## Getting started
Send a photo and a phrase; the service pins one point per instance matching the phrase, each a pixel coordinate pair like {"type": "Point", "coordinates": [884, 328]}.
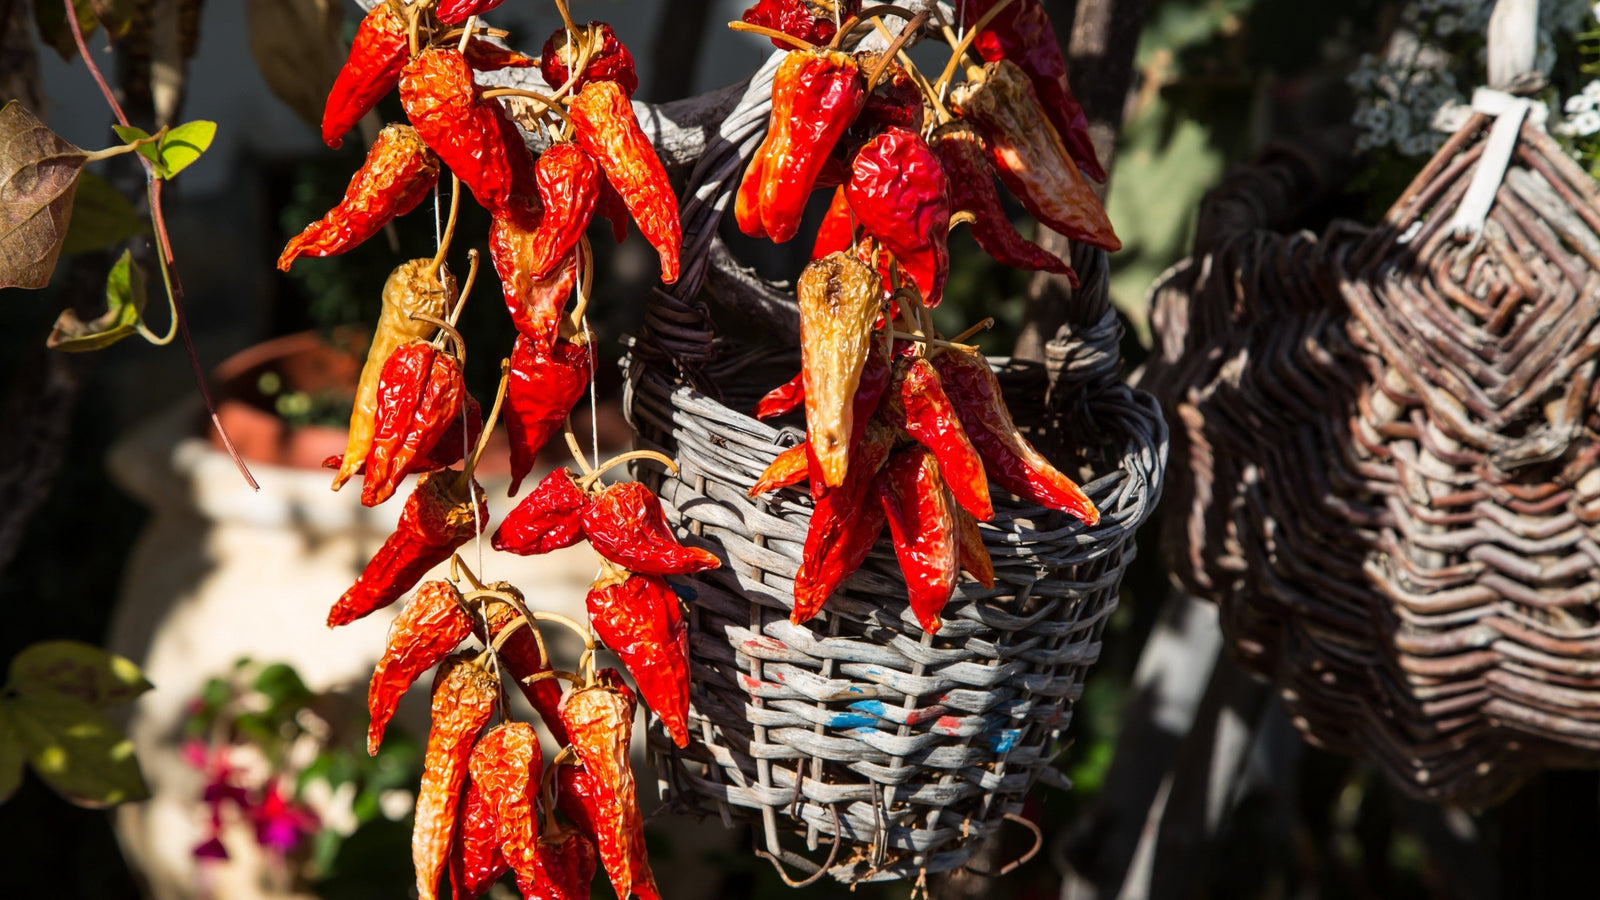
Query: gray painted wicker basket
{"type": "Point", "coordinates": [892, 752]}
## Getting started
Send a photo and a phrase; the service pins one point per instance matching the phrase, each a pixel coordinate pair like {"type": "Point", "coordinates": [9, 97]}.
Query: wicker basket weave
{"type": "Point", "coordinates": [1388, 440]}
{"type": "Point", "coordinates": [891, 752]}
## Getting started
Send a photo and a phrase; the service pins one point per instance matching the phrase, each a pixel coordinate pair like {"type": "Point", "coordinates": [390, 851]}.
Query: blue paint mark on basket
{"type": "Point", "coordinates": [870, 707]}
{"type": "Point", "coordinates": [846, 720]}
{"type": "Point", "coordinates": [1005, 739]}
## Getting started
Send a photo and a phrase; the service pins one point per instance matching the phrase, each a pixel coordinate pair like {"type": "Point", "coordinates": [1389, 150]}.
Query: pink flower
{"type": "Point", "coordinates": [211, 849]}
{"type": "Point", "coordinates": [281, 824]}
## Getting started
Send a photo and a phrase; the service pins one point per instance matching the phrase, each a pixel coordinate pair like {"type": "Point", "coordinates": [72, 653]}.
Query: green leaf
{"type": "Point", "coordinates": [76, 669]}
{"type": "Point", "coordinates": [150, 148]}
{"type": "Point", "coordinates": [51, 17]}
{"type": "Point", "coordinates": [282, 686]}
{"type": "Point", "coordinates": [101, 217]}
{"type": "Point", "coordinates": [76, 750]}
{"type": "Point", "coordinates": [184, 144]}
{"type": "Point", "coordinates": [125, 299]}
{"type": "Point", "coordinates": [12, 753]}
{"type": "Point", "coordinates": [38, 178]}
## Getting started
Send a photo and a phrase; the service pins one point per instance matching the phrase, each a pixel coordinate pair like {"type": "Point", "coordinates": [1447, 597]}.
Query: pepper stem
{"type": "Point", "coordinates": [584, 283]}
{"type": "Point", "coordinates": [446, 330]}
{"type": "Point", "coordinates": [458, 567]}
{"type": "Point", "coordinates": [472, 278]}
{"type": "Point", "coordinates": [449, 228]}
{"type": "Point", "coordinates": [916, 75]}
{"type": "Point", "coordinates": [984, 325]}
{"type": "Point", "coordinates": [966, 42]}
{"type": "Point", "coordinates": [488, 426]}
{"type": "Point", "coordinates": [466, 33]}
{"type": "Point", "coordinates": [912, 27]}
{"type": "Point", "coordinates": [544, 615]}
{"type": "Point", "coordinates": [566, 17]}
{"type": "Point", "coordinates": [576, 450]}
{"type": "Point", "coordinates": [589, 479]}
{"type": "Point", "coordinates": [549, 103]}
{"type": "Point", "coordinates": [871, 13]}
{"type": "Point", "coordinates": [933, 341]}
{"type": "Point", "coordinates": [775, 34]}
{"type": "Point", "coordinates": [484, 30]}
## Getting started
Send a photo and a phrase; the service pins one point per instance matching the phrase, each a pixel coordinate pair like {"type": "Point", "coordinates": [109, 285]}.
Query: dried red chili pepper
{"type": "Point", "coordinates": [638, 617]}
{"type": "Point", "coordinates": [837, 234]}
{"type": "Point", "coordinates": [790, 468]}
{"type": "Point", "coordinates": [845, 523]}
{"type": "Point", "coordinates": [900, 195]}
{"type": "Point", "coordinates": [549, 518]}
{"type": "Point", "coordinates": [399, 172]}
{"type": "Point", "coordinates": [535, 303]}
{"type": "Point", "coordinates": [895, 102]}
{"type": "Point", "coordinates": [419, 396]}
{"type": "Point", "coordinates": [437, 520]}
{"type": "Point", "coordinates": [454, 12]}
{"type": "Point", "coordinates": [1022, 33]}
{"type": "Point", "coordinates": [795, 18]}
{"type": "Point", "coordinates": [1007, 456]}
{"type": "Point", "coordinates": [476, 862]}
{"type": "Point", "coordinates": [569, 184]}
{"type": "Point", "coordinates": [599, 721]}
{"type": "Point", "coordinates": [974, 554]}
{"type": "Point", "coordinates": [521, 657]}
{"type": "Point", "coordinates": [487, 56]}
{"type": "Point", "coordinates": [413, 289]}
{"type": "Point", "coordinates": [815, 97]}
{"type": "Point", "coordinates": [605, 127]}
{"type": "Point", "coordinates": [542, 390]}
{"type": "Point", "coordinates": [379, 52]}
{"type": "Point", "coordinates": [609, 206]}
{"type": "Point", "coordinates": [609, 59]}
{"type": "Point", "coordinates": [626, 525]}
{"type": "Point", "coordinates": [927, 415]}
{"type": "Point", "coordinates": [785, 398]}
{"type": "Point", "coordinates": [839, 298]}
{"type": "Point", "coordinates": [565, 864]}
{"type": "Point", "coordinates": [471, 135]}
{"type": "Point", "coordinates": [924, 530]}
{"type": "Point", "coordinates": [431, 626]}
{"type": "Point", "coordinates": [505, 767]}
{"type": "Point", "coordinates": [451, 448]}
{"type": "Point", "coordinates": [972, 189]}
{"type": "Point", "coordinates": [1029, 157]}
{"type": "Point", "coordinates": [464, 697]}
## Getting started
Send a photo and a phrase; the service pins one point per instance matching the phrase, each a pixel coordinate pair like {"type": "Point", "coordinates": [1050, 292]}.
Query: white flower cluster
{"type": "Point", "coordinates": [1583, 112]}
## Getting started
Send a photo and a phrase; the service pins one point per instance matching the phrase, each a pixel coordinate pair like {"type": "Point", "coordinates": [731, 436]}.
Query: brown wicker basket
{"type": "Point", "coordinates": [1387, 445]}
{"type": "Point", "coordinates": [891, 752]}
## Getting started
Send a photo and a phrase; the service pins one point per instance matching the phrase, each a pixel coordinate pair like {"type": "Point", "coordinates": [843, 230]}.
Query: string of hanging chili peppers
{"type": "Point", "coordinates": [487, 805]}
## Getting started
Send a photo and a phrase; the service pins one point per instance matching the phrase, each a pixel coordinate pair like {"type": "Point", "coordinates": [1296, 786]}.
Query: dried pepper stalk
{"type": "Point", "coordinates": [549, 518]}
{"type": "Point", "coordinates": [437, 520]}
{"type": "Point", "coordinates": [486, 56]}
{"type": "Point", "coordinates": [1022, 33]}
{"type": "Point", "coordinates": [815, 97]}
{"type": "Point", "coordinates": [431, 626]}
{"type": "Point", "coordinates": [470, 135]}
{"type": "Point", "coordinates": [638, 617]}
{"type": "Point", "coordinates": [837, 234]}
{"type": "Point", "coordinates": [840, 298]}
{"type": "Point", "coordinates": [626, 525]}
{"type": "Point", "coordinates": [1007, 456]}
{"type": "Point", "coordinates": [400, 171]}
{"type": "Point", "coordinates": [413, 289]}
{"type": "Point", "coordinates": [974, 554]}
{"type": "Point", "coordinates": [476, 862]}
{"type": "Point", "coordinates": [450, 449]}
{"type": "Point", "coordinates": [521, 658]}
{"type": "Point", "coordinates": [569, 184]}
{"type": "Point", "coordinates": [540, 395]}
{"type": "Point", "coordinates": [923, 526]}
{"type": "Point", "coordinates": [607, 129]}
{"type": "Point", "coordinates": [790, 468]}
{"type": "Point", "coordinates": [379, 52]}
{"type": "Point", "coordinates": [505, 767]}
{"type": "Point", "coordinates": [565, 866]}
{"type": "Point", "coordinates": [419, 396]}
{"type": "Point", "coordinates": [609, 59]}
{"type": "Point", "coordinates": [795, 18]}
{"type": "Point", "coordinates": [785, 398]}
{"type": "Point", "coordinates": [972, 189]}
{"type": "Point", "coordinates": [453, 12]}
{"type": "Point", "coordinates": [599, 722]}
{"type": "Point", "coordinates": [900, 195]}
{"type": "Point", "coordinates": [931, 421]}
{"type": "Point", "coordinates": [1028, 154]}
{"type": "Point", "coordinates": [535, 303]}
{"type": "Point", "coordinates": [464, 697]}
{"type": "Point", "coordinates": [845, 523]}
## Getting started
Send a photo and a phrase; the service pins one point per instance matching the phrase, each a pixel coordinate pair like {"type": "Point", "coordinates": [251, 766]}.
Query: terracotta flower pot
{"type": "Point", "coordinates": [308, 363]}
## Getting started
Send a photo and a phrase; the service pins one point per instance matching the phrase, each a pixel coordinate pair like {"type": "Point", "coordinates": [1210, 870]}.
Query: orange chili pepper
{"type": "Point", "coordinates": [974, 553]}
{"type": "Point", "coordinates": [605, 126]}
{"type": "Point", "coordinates": [399, 173]}
{"type": "Point", "coordinates": [464, 697]}
{"type": "Point", "coordinates": [431, 626]}
{"type": "Point", "coordinates": [839, 300]}
{"type": "Point", "coordinates": [599, 721]}
{"type": "Point", "coordinates": [471, 136]}
{"type": "Point", "coordinates": [379, 52]}
{"type": "Point", "coordinates": [639, 618]}
{"type": "Point", "coordinates": [790, 468]}
{"type": "Point", "coordinates": [505, 767]}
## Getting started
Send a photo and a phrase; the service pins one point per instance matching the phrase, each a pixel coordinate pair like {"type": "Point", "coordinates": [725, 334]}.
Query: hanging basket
{"type": "Point", "coordinates": [1388, 471]}
{"type": "Point", "coordinates": [885, 751]}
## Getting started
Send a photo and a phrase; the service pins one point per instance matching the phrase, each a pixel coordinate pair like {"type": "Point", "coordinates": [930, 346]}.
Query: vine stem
{"type": "Point", "coordinates": [164, 248]}
{"type": "Point", "coordinates": [773, 33]}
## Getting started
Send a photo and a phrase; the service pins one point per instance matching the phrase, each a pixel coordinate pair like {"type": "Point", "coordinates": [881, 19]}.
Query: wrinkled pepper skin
{"type": "Point", "coordinates": [476, 862]}
{"type": "Point", "coordinates": [790, 468]}
{"type": "Point", "coordinates": [609, 59]}
{"type": "Point", "coordinates": [410, 291]}
{"type": "Point", "coordinates": [606, 128]}
{"type": "Point", "coordinates": [974, 554]}
{"type": "Point", "coordinates": [1008, 458]}
{"type": "Point", "coordinates": [430, 628]}
{"type": "Point", "coordinates": [845, 523]}
{"type": "Point", "coordinates": [520, 658]}
{"type": "Point", "coordinates": [1022, 33]}
{"type": "Point", "coordinates": [638, 617]}
{"type": "Point", "coordinates": [506, 765]}
{"type": "Point", "coordinates": [899, 194]}
{"type": "Point", "coordinates": [437, 520]}
{"type": "Point", "coordinates": [783, 399]}
{"type": "Point", "coordinates": [599, 722]}
{"type": "Point", "coordinates": [972, 189]}
{"type": "Point", "coordinates": [454, 12]}
{"type": "Point", "coordinates": [549, 518]}
{"type": "Point", "coordinates": [419, 396]}
{"type": "Point", "coordinates": [372, 70]}
{"type": "Point", "coordinates": [837, 233]}
{"type": "Point", "coordinates": [626, 525]}
{"type": "Point", "coordinates": [794, 18]}
{"type": "Point", "coordinates": [451, 448]}
{"type": "Point", "coordinates": [839, 300]}
{"type": "Point", "coordinates": [535, 303]}
{"type": "Point", "coordinates": [464, 697]}
{"type": "Point", "coordinates": [1029, 157]}
{"type": "Point", "coordinates": [931, 421]}
{"type": "Point", "coordinates": [815, 97]}
{"type": "Point", "coordinates": [870, 392]}
{"type": "Point", "coordinates": [542, 390]}
{"type": "Point", "coordinates": [922, 523]}
{"type": "Point", "coordinates": [399, 173]}
{"type": "Point", "coordinates": [566, 863]}
{"type": "Point", "coordinates": [470, 135]}
{"type": "Point", "coordinates": [486, 56]}
{"type": "Point", "coordinates": [569, 185]}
